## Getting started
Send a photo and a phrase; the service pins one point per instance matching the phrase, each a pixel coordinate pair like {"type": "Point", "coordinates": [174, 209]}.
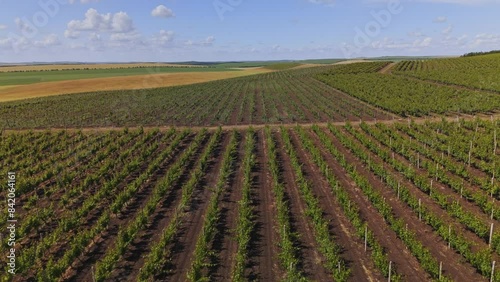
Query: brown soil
{"type": "Point", "coordinates": [224, 243]}
{"type": "Point", "coordinates": [82, 269]}
{"type": "Point", "coordinates": [387, 69]}
{"type": "Point", "coordinates": [263, 248]}
{"type": "Point", "coordinates": [353, 249]}
{"type": "Point", "coordinates": [453, 265]}
{"type": "Point", "coordinates": [310, 260]}
{"type": "Point", "coordinates": [181, 250]}
{"type": "Point", "coordinates": [405, 263]}
{"type": "Point", "coordinates": [242, 127]}
{"type": "Point", "coordinates": [430, 204]}
{"type": "Point", "coordinates": [132, 261]}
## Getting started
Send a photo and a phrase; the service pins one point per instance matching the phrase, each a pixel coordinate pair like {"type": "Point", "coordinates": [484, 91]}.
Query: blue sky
{"type": "Point", "coordinates": [225, 30]}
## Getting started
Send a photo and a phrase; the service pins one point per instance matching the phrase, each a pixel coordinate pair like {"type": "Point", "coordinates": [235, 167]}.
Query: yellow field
{"type": "Point", "coordinates": [89, 66]}
{"type": "Point", "coordinates": [43, 89]}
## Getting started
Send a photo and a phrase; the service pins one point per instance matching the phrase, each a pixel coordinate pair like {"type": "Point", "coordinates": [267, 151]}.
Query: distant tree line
{"type": "Point", "coordinates": [480, 53]}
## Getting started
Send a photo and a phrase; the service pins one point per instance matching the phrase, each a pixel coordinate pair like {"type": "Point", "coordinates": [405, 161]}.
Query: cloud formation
{"type": "Point", "coordinates": [94, 22]}
{"type": "Point", "coordinates": [162, 12]}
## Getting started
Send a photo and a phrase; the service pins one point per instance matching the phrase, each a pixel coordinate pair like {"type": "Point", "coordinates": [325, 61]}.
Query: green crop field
{"type": "Point", "coordinates": [405, 96]}
{"type": "Point", "coordinates": [21, 78]}
{"type": "Point", "coordinates": [477, 72]}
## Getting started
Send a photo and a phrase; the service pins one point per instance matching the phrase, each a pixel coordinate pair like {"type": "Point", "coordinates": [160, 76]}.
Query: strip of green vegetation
{"type": "Point", "coordinates": [282, 66]}
{"type": "Point", "coordinates": [21, 78]}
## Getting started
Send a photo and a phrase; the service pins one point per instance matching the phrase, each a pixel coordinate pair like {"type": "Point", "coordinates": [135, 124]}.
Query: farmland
{"type": "Point", "coordinates": [277, 97]}
{"type": "Point", "coordinates": [350, 172]}
{"type": "Point", "coordinates": [477, 72]}
{"type": "Point", "coordinates": [293, 203]}
{"type": "Point", "coordinates": [405, 96]}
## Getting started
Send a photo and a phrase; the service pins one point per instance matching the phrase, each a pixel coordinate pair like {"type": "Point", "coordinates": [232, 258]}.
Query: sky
{"type": "Point", "coordinates": [242, 30]}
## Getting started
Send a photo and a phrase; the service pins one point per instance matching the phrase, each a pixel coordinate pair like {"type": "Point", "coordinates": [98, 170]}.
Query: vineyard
{"type": "Point", "coordinates": [411, 97]}
{"type": "Point", "coordinates": [478, 72]}
{"type": "Point", "coordinates": [402, 201]}
{"type": "Point", "coordinates": [297, 174]}
{"type": "Point", "coordinates": [278, 97]}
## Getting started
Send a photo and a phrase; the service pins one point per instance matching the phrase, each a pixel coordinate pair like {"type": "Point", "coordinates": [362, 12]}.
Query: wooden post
{"type": "Point", "coordinates": [390, 270]}
{"type": "Point", "coordinates": [495, 142]}
{"type": "Point", "coordinates": [399, 186]}
{"type": "Point", "coordinates": [492, 271]}
{"type": "Point", "coordinates": [419, 209]}
{"type": "Point", "coordinates": [440, 269]}
{"type": "Point", "coordinates": [366, 237]}
{"type": "Point", "coordinates": [470, 151]}
{"type": "Point", "coordinates": [491, 235]}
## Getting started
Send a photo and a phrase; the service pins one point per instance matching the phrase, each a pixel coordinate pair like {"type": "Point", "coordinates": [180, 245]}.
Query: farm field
{"type": "Point", "coordinates": [415, 201]}
{"type": "Point", "coordinates": [30, 77]}
{"type": "Point", "coordinates": [405, 96]}
{"type": "Point", "coordinates": [324, 173]}
{"type": "Point", "coordinates": [96, 66]}
{"type": "Point", "coordinates": [146, 80]}
{"type": "Point", "coordinates": [476, 72]}
{"type": "Point", "coordinates": [288, 96]}
{"type": "Point", "coordinates": [331, 93]}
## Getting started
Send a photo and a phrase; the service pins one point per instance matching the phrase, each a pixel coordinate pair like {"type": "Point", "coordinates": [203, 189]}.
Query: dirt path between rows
{"type": "Point", "coordinates": [453, 264]}
{"type": "Point", "coordinates": [183, 247]}
{"type": "Point", "coordinates": [405, 263]}
{"type": "Point", "coordinates": [419, 120]}
{"type": "Point", "coordinates": [263, 246]}
{"type": "Point", "coordinates": [311, 261]}
{"type": "Point", "coordinates": [387, 69]}
{"type": "Point", "coordinates": [352, 248]}
{"type": "Point", "coordinates": [82, 269]}
{"type": "Point", "coordinates": [224, 244]}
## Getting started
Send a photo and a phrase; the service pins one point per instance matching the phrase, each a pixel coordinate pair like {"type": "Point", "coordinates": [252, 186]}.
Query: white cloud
{"type": "Point", "coordinates": [71, 34]}
{"type": "Point", "coordinates": [95, 37]}
{"type": "Point", "coordinates": [6, 42]}
{"type": "Point", "coordinates": [441, 19]}
{"type": "Point", "coordinates": [48, 41]}
{"type": "Point", "coordinates": [124, 37]}
{"type": "Point", "coordinates": [209, 41]}
{"type": "Point", "coordinates": [165, 38]}
{"type": "Point", "coordinates": [485, 40]}
{"type": "Point", "coordinates": [391, 44]}
{"type": "Point", "coordinates": [426, 42]}
{"type": "Point", "coordinates": [162, 12]}
{"type": "Point", "coordinates": [23, 26]}
{"type": "Point", "coordinates": [447, 30]}
{"type": "Point", "coordinates": [115, 23]}
{"type": "Point", "coordinates": [2, 27]}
